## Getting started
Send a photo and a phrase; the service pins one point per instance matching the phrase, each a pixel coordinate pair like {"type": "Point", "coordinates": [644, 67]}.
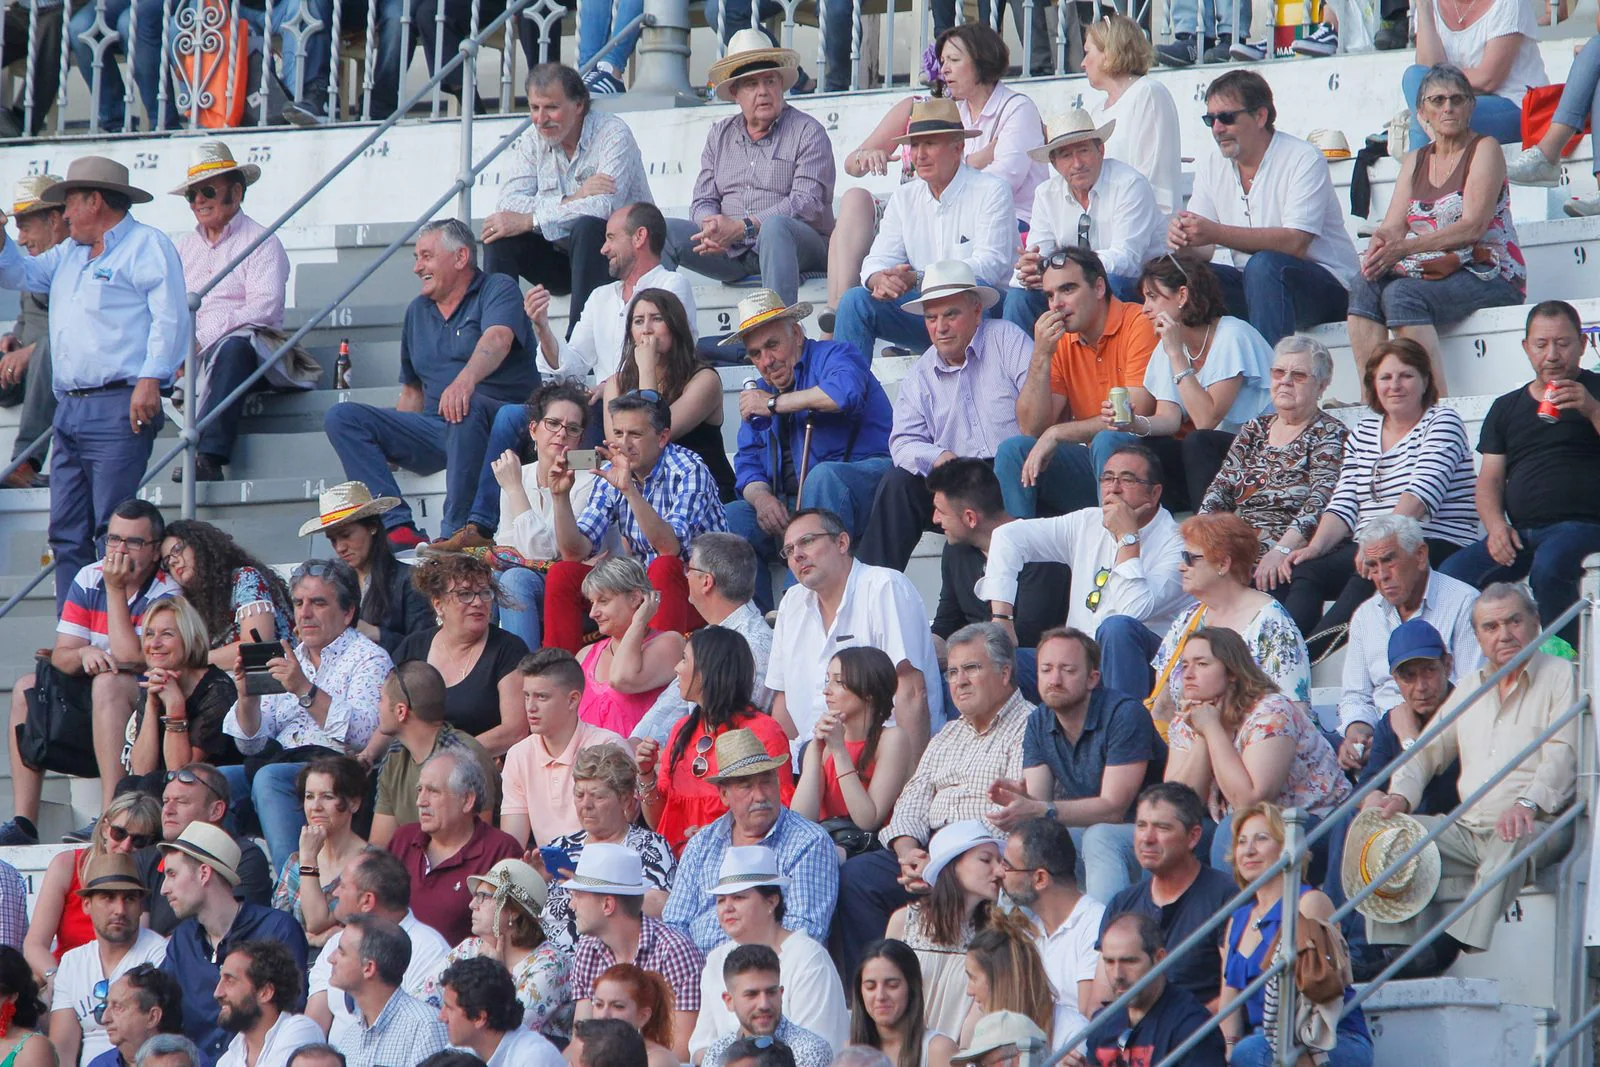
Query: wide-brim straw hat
{"type": "Point", "coordinates": [935, 117]}
{"type": "Point", "coordinates": [111, 873]}
{"type": "Point", "coordinates": [346, 502]}
{"type": "Point", "coordinates": [98, 174]}
{"type": "Point", "coordinates": [211, 158]}
{"type": "Point", "coordinates": [1071, 128]}
{"type": "Point", "coordinates": [27, 194]}
{"type": "Point", "coordinates": [210, 845]}
{"type": "Point", "coordinates": [1331, 143]}
{"type": "Point", "coordinates": [750, 52]}
{"type": "Point", "coordinates": [760, 308]}
{"type": "Point", "coordinates": [947, 278]}
{"type": "Point", "coordinates": [740, 754]}
{"type": "Point", "coordinates": [1374, 842]}
{"type": "Point", "coordinates": [748, 867]}
{"type": "Point", "coordinates": [999, 1029]}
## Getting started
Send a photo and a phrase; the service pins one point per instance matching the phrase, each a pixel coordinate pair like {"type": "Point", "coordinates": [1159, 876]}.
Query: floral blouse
{"type": "Point", "coordinates": [1314, 783]}
{"type": "Point", "coordinates": [558, 922]}
{"type": "Point", "coordinates": [286, 894]}
{"type": "Point", "coordinates": [252, 593]}
{"type": "Point", "coordinates": [1278, 489]}
{"type": "Point", "coordinates": [1274, 642]}
{"type": "Point", "coordinates": [544, 985]}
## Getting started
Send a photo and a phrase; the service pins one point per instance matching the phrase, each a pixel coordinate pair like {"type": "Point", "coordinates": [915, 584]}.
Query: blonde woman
{"type": "Point", "coordinates": [1116, 60]}
{"type": "Point", "coordinates": [177, 719]}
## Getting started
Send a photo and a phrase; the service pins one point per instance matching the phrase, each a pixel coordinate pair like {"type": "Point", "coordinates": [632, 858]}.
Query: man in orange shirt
{"type": "Point", "coordinates": [1087, 343]}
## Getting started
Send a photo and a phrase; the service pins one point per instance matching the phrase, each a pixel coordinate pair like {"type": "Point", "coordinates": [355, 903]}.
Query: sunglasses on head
{"type": "Point", "coordinates": [188, 777]}
{"type": "Point", "coordinates": [119, 834]}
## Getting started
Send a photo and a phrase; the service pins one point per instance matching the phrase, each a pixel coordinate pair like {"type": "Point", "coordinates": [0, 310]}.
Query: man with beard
{"type": "Point", "coordinates": [260, 981]}
{"type": "Point", "coordinates": [1158, 1019]}
{"type": "Point", "coordinates": [481, 1014]}
{"type": "Point", "coordinates": [113, 897]}
{"type": "Point", "coordinates": [755, 996]}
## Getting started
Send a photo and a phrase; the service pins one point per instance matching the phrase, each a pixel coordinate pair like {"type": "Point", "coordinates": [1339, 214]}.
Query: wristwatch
{"type": "Point", "coordinates": [1050, 811]}
{"type": "Point", "coordinates": [1406, 743]}
{"type": "Point", "coordinates": [1285, 549]}
{"type": "Point", "coordinates": [1128, 540]}
{"type": "Point", "coordinates": [1188, 372]}
{"type": "Point", "coordinates": [310, 697]}
{"type": "Point", "coordinates": [1530, 805]}
{"type": "Point", "coordinates": [749, 229]}
{"type": "Point", "coordinates": [772, 404]}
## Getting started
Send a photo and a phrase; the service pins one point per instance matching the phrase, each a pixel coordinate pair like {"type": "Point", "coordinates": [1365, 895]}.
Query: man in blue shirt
{"type": "Point", "coordinates": [466, 349]}
{"type": "Point", "coordinates": [120, 330]}
{"type": "Point", "coordinates": [814, 430]}
{"type": "Point", "coordinates": [1160, 1017]}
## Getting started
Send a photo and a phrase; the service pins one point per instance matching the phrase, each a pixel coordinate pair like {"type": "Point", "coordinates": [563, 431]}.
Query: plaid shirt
{"type": "Point", "coordinates": [661, 949]}
{"type": "Point", "coordinates": [13, 907]}
{"type": "Point", "coordinates": [406, 1031]}
{"type": "Point", "coordinates": [681, 490]}
{"type": "Point", "coordinates": [788, 173]}
{"type": "Point", "coordinates": [805, 853]}
{"type": "Point", "coordinates": [541, 174]}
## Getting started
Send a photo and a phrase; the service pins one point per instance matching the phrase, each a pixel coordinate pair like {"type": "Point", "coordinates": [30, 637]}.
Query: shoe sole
{"type": "Point", "coordinates": [1584, 211]}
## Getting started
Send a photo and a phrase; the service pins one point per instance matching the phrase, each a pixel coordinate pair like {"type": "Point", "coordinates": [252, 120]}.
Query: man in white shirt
{"type": "Point", "coordinates": [258, 985]}
{"type": "Point", "coordinates": [1264, 208]}
{"type": "Point", "coordinates": [840, 602]}
{"type": "Point", "coordinates": [1093, 202]}
{"type": "Point", "coordinates": [949, 211]}
{"type": "Point", "coordinates": [113, 896]}
{"type": "Point", "coordinates": [482, 1015]}
{"type": "Point", "coordinates": [376, 883]}
{"type": "Point", "coordinates": [1124, 558]}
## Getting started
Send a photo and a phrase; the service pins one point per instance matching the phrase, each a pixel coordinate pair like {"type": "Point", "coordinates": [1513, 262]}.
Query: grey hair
{"type": "Point", "coordinates": [167, 1045]}
{"type": "Point", "coordinates": [1406, 531]}
{"type": "Point", "coordinates": [466, 775]}
{"type": "Point", "coordinates": [731, 562]}
{"type": "Point", "coordinates": [1449, 76]}
{"type": "Point", "coordinates": [861, 1056]}
{"type": "Point", "coordinates": [454, 235]}
{"type": "Point", "coordinates": [1497, 591]}
{"type": "Point", "coordinates": [997, 644]}
{"type": "Point", "coordinates": [384, 944]}
{"type": "Point", "coordinates": [337, 573]}
{"type": "Point", "coordinates": [1313, 349]}
{"type": "Point", "coordinates": [617, 575]}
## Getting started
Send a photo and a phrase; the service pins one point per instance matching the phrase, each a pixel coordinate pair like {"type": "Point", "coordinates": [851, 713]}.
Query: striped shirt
{"type": "Point", "coordinates": [1432, 462]}
{"type": "Point", "coordinates": [967, 410]}
{"type": "Point", "coordinates": [84, 613]}
{"type": "Point", "coordinates": [788, 173]}
{"type": "Point", "coordinates": [681, 490]}
{"type": "Point", "coordinates": [542, 174]}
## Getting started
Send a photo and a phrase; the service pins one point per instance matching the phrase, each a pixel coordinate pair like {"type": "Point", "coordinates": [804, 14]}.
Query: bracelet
{"type": "Point", "coordinates": [1187, 372]}
{"type": "Point", "coordinates": [1134, 426]}
{"type": "Point", "coordinates": [175, 726]}
{"type": "Point", "coordinates": [309, 870]}
{"type": "Point", "coordinates": [848, 773]}
{"type": "Point", "coordinates": [1002, 616]}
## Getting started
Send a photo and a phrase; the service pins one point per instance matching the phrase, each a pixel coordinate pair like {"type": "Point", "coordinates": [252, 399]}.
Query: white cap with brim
{"type": "Point", "coordinates": [999, 1029]}
{"type": "Point", "coordinates": [954, 841]}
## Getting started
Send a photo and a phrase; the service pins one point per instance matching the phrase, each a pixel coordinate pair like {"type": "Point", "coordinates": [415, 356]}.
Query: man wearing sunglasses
{"type": "Point", "coordinates": [236, 327]}
{"type": "Point", "coordinates": [1264, 204]}
{"type": "Point", "coordinates": [113, 896]}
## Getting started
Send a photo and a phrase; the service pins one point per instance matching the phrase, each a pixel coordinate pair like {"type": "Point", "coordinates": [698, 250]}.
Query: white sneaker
{"type": "Point", "coordinates": [1582, 207]}
{"type": "Point", "coordinates": [1530, 167]}
{"type": "Point", "coordinates": [1250, 51]}
{"type": "Point", "coordinates": [1324, 41]}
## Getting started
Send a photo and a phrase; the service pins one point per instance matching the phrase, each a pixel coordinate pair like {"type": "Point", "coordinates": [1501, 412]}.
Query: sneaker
{"type": "Point", "coordinates": [1324, 41]}
{"type": "Point", "coordinates": [468, 537]}
{"type": "Point", "coordinates": [1392, 36]}
{"type": "Point", "coordinates": [18, 831]}
{"type": "Point", "coordinates": [602, 82]}
{"type": "Point", "coordinates": [304, 115]}
{"type": "Point", "coordinates": [1183, 52]}
{"type": "Point", "coordinates": [1222, 51]}
{"type": "Point", "coordinates": [1530, 167]}
{"type": "Point", "coordinates": [804, 85]}
{"type": "Point", "coordinates": [1250, 51]}
{"type": "Point", "coordinates": [81, 835]}
{"type": "Point", "coordinates": [405, 537]}
{"type": "Point", "coordinates": [1582, 207]}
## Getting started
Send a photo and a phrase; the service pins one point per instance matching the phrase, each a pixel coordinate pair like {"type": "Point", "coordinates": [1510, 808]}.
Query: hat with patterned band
{"type": "Point", "coordinates": [748, 867]}
{"type": "Point", "coordinates": [741, 754]}
{"type": "Point", "coordinates": [512, 881]}
{"type": "Point", "coordinates": [760, 308]}
{"type": "Point", "coordinates": [1374, 842]}
{"type": "Point", "coordinates": [27, 194]}
{"type": "Point", "coordinates": [934, 117]}
{"type": "Point", "coordinates": [211, 158]}
{"type": "Point", "coordinates": [346, 502]}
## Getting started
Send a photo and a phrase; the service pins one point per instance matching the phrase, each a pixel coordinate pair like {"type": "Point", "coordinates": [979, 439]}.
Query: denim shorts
{"type": "Point", "coordinates": [1397, 301]}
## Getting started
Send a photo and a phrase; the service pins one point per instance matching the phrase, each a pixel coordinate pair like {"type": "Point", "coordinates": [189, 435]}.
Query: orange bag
{"type": "Point", "coordinates": [1538, 111]}
{"type": "Point", "coordinates": [222, 99]}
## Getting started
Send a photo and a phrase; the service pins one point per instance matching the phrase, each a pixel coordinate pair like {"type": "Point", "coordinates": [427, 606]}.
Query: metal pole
{"type": "Point", "coordinates": [1294, 846]}
{"type": "Point", "coordinates": [469, 95]}
{"type": "Point", "coordinates": [661, 64]}
{"type": "Point", "coordinates": [191, 404]}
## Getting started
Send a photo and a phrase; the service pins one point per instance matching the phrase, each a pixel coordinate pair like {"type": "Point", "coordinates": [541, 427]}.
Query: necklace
{"type": "Point", "coordinates": [1205, 346]}
{"type": "Point", "coordinates": [1462, 11]}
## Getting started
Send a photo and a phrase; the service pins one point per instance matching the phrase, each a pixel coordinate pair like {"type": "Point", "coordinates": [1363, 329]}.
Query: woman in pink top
{"type": "Point", "coordinates": [631, 664]}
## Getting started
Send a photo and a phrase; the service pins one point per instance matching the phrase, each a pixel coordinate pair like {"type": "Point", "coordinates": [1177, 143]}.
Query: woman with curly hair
{"type": "Point", "coordinates": [239, 597]}
{"type": "Point", "coordinates": [483, 691]}
{"type": "Point", "coordinates": [658, 355]}
{"type": "Point", "coordinates": [22, 1044]}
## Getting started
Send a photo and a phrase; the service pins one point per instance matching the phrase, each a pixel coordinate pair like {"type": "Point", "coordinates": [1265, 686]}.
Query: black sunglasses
{"type": "Point", "coordinates": [120, 834]}
{"type": "Point", "coordinates": [1227, 118]}
{"type": "Point", "coordinates": [204, 192]}
{"type": "Point", "coordinates": [188, 777]}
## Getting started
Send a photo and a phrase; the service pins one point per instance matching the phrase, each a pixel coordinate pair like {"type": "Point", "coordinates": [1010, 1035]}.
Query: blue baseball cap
{"type": "Point", "coordinates": [1414, 639]}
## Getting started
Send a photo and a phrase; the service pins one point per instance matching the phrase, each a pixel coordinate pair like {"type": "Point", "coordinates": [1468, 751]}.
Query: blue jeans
{"type": "Point", "coordinates": [1493, 116]}
{"type": "Point", "coordinates": [1126, 648]}
{"type": "Point", "coordinates": [596, 24]}
{"type": "Point", "coordinates": [1210, 17]}
{"type": "Point", "coordinates": [1106, 861]}
{"type": "Point", "coordinates": [146, 57]}
{"type": "Point", "coordinates": [524, 617]}
{"type": "Point", "coordinates": [846, 489]}
{"type": "Point", "coordinates": [1066, 483]}
{"type": "Point", "coordinates": [838, 22]}
{"type": "Point", "coordinates": [278, 807]}
{"type": "Point", "coordinates": [1280, 293]}
{"type": "Point", "coordinates": [369, 438]}
{"type": "Point", "coordinates": [1024, 306]}
{"type": "Point", "coordinates": [1580, 98]}
{"type": "Point", "coordinates": [1352, 1049]}
{"type": "Point", "coordinates": [1551, 559]}
{"type": "Point", "coordinates": [508, 431]}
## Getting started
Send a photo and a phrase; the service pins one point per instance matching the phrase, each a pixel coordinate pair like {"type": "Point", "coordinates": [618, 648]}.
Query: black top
{"type": "Point", "coordinates": [255, 882]}
{"type": "Point", "coordinates": [1200, 970]}
{"type": "Point", "coordinates": [1552, 469]}
{"type": "Point", "coordinates": [1439, 797]}
{"type": "Point", "coordinates": [1041, 595]}
{"type": "Point", "coordinates": [705, 441]}
{"type": "Point", "coordinates": [409, 611]}
{"type": "Point", "coordinates": [213, 697]}
{"type": "Point", "coordinates": [472, 705]}
{"type": "Point", "coordinates": [1171, 1019]}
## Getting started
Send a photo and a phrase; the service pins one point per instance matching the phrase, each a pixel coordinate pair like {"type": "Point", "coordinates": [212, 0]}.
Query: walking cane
{"type": "Point", "coordinates": [805, 456]}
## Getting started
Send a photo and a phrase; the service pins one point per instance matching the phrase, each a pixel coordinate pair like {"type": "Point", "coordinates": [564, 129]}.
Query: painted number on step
{"type": "Point", "coordinates": [38, 166]}
{"type": "Point", "coordinates": [258, 154]}
{"type": "Point", "coordinates": [1333, 82]}
{"type": "Point", "coordinates": [341, 317]}
{"type": "Point", "coordinates": [1580, 255]}
{"type": "Point", "coordinates": [146, 160]}
{"type": "Point", "coordinates": [1200, 92]}
{"type": "Point", "coordinates": [381, 148]}
{"type": "Point", "coordinates": [724, 321]}
{"type": "Point", "coordinates": [1480, 348]}
{"type": "Point", "coordinates": [833, 121]}
{"type": "Point", "coordinates": [1565, 179]}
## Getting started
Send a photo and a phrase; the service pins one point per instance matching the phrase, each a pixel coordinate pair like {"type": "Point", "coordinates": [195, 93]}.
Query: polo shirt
{"type": "Point", "coordinates": [434, 349]}
{"type": "Point", "coordinates": [1199, 970]}
{"type": "Point", "coordinates": [1040, 605]}
{"type": "Point", "coordinates": [84, 613]}
{"type": "Point", "coordinates": [1117, 730]}
{"type": "Point", "coordinates": [196, 964]}
{"type": "Point", "coordinates": [539, 785]}
{"type": "Point", "coordinates": [1552, 473]}
{"type": "Point", "coordinates": [1069, 956]}
{"type": "Point", "coordinates": [1171, 1019]}
{"type": "Point", "coordinates": [440, 895]}
{"type": "Point", "coordinates": [1085, 374]}
{"type": "Point", "coordinates": [397, 778]}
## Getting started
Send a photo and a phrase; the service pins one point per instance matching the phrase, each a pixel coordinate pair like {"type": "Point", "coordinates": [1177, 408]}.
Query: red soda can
{"type": "Point", "coordinates": [1547, 407]}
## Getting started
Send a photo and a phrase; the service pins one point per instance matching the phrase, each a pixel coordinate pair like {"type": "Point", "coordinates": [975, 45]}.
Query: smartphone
{"type": "Point", "coordinates": [556, 860]}
{"type": "Point", "coordinates": [581, 459]}
{"type": "Point", "coordinates": [253, 657]}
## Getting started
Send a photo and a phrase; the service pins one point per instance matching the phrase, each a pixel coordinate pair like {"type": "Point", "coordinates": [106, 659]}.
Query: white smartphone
{"type": "Point", "coordinates": [581, 459]}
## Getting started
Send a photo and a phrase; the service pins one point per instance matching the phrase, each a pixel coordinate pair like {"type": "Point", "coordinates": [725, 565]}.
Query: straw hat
{"type": "Point", "coordinates": [747, 867]}
{"type": "Point", "coordinates": [211, 158]}
{"type": "Point", "coordinates": [947, 278]}
{"type": "Point", "coordinates": [999, 1029]}
{"type": "Point", "coordinates": [111, 873]}
{"type": "Point", "coordinates": [935, 117]}
{"type": "Point", "coordinates": [1074, 126]}
{"type": "Point", "coordinates": [346, 502]}
{"type": "Point", "coordinates": [612, 869]}
{"type": "Point", "coordinates": [1331, 143]}
{"type": "Point", "coordinates": [1375, 842]}
{"type": "Point", "coordinates": [750, 52]}
{"type": "Point", "coordinates": [761, 307]}
{"type": "Point", "coordinates": [27, 194]}
{"type": "Point", "coordinates": [95, 173]}
{"type": "Point", "coordinates": [210, 845]}
{"type": "Point", "coordinates": [740, 754]}
{"type": "Point", "coordinates": [514, 880]}
{"type": "Point", "coordinates": [950, 843]}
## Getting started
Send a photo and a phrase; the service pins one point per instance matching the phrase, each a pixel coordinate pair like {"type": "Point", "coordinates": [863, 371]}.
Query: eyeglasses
{"type": "Point", "coordinates": [954, 672]}
{"type": "Point", "coordinates": [1005, 865]}
{"type": "Point", "coordinates": [763, 1042]}
{"type": "Point", "coordinates": [472, 596]}
{"type": "Point", "coordinates": [405, 693]}
{"type": "Point", "coordinates": [1451, 99]}
{"type": "Point", "coordinates": [1125, 479]}
{"type": "Point", "coordinates": [102, 990]}
{"type": "Point", "coordinates": [701, 765]}
{"type": "Point", "coordinates": [803, 543]}
{"type": "Point", "coordinates": [1227, 118]}
{"type": "Point", "coordinates": [132, 544]}
{"type": "Point", "coordinates": [119, 834]}
{"type": "Point", "coordinates": [188, 777]}
{"type": "Point", "coordinates": [203, 192]}
{"type": "Point", "coordinates": [556, 428]}
{"type": "Point", "coordinates": [1084, 222]}
{"type": "Point", "coordinates": [1122, 1046]}
{"type": "Point", "coordinates": [1294, 377]}
{"type": "Point", "coordinates": [1191, 558]}
{"type": "Point", "coordinates": [1101, 577]}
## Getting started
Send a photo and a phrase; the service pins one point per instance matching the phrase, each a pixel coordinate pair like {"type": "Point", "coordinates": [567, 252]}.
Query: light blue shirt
{"type": "Point", "coordinates": [124, 314]}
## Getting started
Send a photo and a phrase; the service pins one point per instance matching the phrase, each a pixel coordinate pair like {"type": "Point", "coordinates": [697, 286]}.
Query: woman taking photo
{"type": "Point", "coordinates": [1005, 973]}
{"type": "Point", "coordinates": [1116, 60]}
{"type": "Point", "coordinates": [22, 1044]}
{"type": "Point", "coordinates": [238, 597]}
{"type": "Point", "coordinates": [1410, 457]}
{"type": "Point", "coordinates": [749, 902]}
{"type": "Point", "coordinates": [862, 764]}
{"type": "Point", "coordinates": [631, 664]}
{"type": "Point", "coordinates": [483, 691]}
{"type": "Point", "coordinates": [177, 717]}
{"type": "Point", "coordinates": [887, 1011]}
{"type": "Point", "coordinates": [643, 1000]}
{"type": "Point", "coordinates": [658, 355]}
{"type": "Point", "coordinates": [1237, 741]}
{"type": "Point", "coordinates": [332, 789]}
{"type": "Point", "coordinates": [391, 607]}
{"type": "Point", "coordinates": [715, 674]}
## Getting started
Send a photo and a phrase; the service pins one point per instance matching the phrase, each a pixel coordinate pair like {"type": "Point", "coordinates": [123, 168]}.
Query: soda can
{"type": "Point", "coordinates": [1547, 407]}
{"type": "Point", "coordinates": [1122, 408]}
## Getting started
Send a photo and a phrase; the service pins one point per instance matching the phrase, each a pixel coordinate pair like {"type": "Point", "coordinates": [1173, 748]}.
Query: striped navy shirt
{"type": "Point", "coordinates": [1432, 462]}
